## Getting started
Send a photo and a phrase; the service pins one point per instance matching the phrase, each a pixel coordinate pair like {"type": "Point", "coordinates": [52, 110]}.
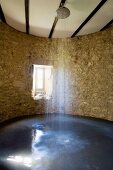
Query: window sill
{"type": "Point", "coordinates": [42, 97]}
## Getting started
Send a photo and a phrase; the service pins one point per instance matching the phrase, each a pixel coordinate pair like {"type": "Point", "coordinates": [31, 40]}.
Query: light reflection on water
{"type": "Point", "coordinates": [49, 144]}
{"type": "Point", "coordinates": [27, 161]}
{"type": "Point", "coordinates": [46, 146]}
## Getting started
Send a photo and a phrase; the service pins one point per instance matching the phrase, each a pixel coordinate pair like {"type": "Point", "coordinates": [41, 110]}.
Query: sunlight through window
{"type": "Point", "coordinates": [42, 81]}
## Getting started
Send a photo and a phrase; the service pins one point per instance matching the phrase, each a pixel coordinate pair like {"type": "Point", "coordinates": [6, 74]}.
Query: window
{"type": "Point", "coordinates": [42, 81]}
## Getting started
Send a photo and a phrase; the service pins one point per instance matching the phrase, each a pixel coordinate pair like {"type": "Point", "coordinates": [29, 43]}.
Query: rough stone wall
{"type": "Point", "coordinates": [83, 74]}
{"type": "Point", "coordinates": [90, 70]}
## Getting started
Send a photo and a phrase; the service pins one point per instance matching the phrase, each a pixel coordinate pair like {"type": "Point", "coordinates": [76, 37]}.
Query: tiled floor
{"type": "Point", "coordinates": [57, 143]}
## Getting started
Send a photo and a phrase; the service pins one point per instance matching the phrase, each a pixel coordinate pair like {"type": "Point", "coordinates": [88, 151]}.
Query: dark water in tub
{"type": "Point", "coordinates": [57, 143]}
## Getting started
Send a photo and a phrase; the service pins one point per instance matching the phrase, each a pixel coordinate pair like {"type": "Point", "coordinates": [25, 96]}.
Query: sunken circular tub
{"type": "Point", "coordinates": [56, 142]}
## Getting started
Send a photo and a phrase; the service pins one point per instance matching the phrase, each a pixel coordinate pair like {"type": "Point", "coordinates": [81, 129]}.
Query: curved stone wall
{"type": "Point", "coordinates": [83, 74]}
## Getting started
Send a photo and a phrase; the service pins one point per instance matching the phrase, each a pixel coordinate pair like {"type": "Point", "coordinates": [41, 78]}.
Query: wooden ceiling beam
{"type": "Point", "coordinates": [107, 25]}
{"type": "Point", "coordinates": [27, 15]}
{"type": "Point", "coordinates": [62, 3]}
{"type": "Point", "coordinates": [2, 17]}
{"type": "Point", "coordinates": [53, 27]}
{"type": "Point", "coordinates": [89, 17]}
